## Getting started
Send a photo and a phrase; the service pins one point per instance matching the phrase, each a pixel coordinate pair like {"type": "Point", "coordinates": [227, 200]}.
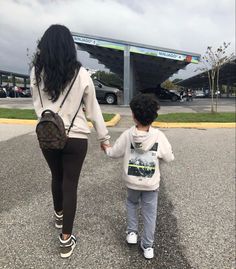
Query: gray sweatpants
{"type": "Point", "coordinates": [148, 201]}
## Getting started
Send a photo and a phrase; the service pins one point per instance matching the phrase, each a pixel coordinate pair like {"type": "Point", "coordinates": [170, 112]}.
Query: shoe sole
{"type": "Point", "coordinates": [67, 255]}
{"type": "Point", "coordinates": [148, 258]}
{"type": "Point", "coordinates": [58, 226]}
{"type": "Point", "coordinates": [132, 243]}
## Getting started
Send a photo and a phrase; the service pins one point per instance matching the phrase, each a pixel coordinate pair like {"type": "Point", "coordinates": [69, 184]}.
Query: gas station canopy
{"type": "Point", "coordinates": [140, 66]}
{"type": "Point", "coordinates": [227, 76]}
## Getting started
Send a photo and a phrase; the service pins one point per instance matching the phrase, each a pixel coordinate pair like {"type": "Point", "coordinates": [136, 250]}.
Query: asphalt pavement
{"type": "Point", "coordinates": [196, 213]}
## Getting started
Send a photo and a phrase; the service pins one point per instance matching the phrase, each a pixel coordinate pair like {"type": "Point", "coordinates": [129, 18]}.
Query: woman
{"type": "Point", "coordinates": [55, 69]}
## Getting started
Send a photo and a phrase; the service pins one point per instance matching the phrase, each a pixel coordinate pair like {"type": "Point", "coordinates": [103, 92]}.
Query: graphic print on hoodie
{"type": "Point", "coordinates": [143, 163]}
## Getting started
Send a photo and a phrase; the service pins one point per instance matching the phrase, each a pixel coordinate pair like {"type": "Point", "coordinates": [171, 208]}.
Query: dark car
{"type": "Point", "coordinates": [106, 93]}
{"type": "Point", "coordinates": [25, 92]}
{"type": "Point", "coordinates": [2, 92]}
{"type": "Point", "coordinates": [162, 94]}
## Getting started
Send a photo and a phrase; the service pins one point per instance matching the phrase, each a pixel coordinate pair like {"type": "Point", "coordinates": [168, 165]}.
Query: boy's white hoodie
{"type": "Point", "coordinates": [141, 152]}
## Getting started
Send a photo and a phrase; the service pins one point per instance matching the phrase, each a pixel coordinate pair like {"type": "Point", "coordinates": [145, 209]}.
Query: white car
{"type": "Point", "coordinates": [199, 93]}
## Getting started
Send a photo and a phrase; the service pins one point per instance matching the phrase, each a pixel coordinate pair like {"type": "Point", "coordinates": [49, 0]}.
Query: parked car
{"type": "Point", "coordinates": [3, 93]}
{"type": "Point", "coordinates": [162, 94]}
{"type": "Point", "coordinates": [106, 93]}
{"type": "Point", "coordinates": [216, 93]}
{"type": "Point", "coordinates": [199, 94]}
{"type": "Point", "coordinates": [25, 93]}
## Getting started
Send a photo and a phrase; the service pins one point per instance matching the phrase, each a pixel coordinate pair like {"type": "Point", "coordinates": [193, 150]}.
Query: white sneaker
{"type": "Point", "coordinates": [148, 253]}
{"type": "Point", "coordinates": [132, 238]}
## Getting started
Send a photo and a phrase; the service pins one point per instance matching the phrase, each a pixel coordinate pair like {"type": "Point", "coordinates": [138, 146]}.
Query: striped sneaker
{"type": "Point", "coordinates": [67, 246]}
{"type": "Point", "coordinates": [58, 220]}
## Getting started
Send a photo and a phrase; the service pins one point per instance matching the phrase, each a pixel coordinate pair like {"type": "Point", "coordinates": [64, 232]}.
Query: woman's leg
{"type": "Point", "coordinates": [72, 160]}
{"type": "Point", "coordinates": [54, 160]}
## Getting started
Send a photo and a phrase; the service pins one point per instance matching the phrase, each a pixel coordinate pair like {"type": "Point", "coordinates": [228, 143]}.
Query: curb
{"type": "Point", "coordinates": [110, 123]}
{"type": "Point", "coordinates": [18, 121]}
{"type": "Point", "coordinates": [196, 125]}
{"type": "Point", "coordinates": [113, 121]}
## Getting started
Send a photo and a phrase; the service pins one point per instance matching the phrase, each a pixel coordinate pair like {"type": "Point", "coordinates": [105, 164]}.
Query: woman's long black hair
{"type": "Point", "coordinates": [56, 60]}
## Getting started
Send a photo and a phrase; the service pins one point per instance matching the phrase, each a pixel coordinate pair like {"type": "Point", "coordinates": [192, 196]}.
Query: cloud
{"type": "Point", "coordinates": [176, 24]}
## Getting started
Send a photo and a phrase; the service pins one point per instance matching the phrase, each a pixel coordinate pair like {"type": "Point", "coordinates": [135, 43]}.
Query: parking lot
{"type": "Point", "coordinates": [198, 105]}
{"type": "Point", "coordinates": [196, 213]}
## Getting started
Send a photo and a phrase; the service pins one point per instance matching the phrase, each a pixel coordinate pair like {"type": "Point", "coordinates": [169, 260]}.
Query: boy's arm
{"type": "Point", "coordinates": [118, 150]}
{"type": "Point", "coordinates": [165, 151]}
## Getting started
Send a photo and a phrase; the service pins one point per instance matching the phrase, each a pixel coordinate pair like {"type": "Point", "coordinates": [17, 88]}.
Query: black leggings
{"type": "Point", "coordinates": [65, 166]}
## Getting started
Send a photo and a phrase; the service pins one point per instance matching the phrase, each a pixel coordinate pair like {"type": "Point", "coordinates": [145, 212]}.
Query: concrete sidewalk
{"type": "Point", "coordinates": [196, 211]}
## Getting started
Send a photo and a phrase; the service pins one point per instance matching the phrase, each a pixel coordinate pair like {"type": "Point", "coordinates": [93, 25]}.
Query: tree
{"type": "Point", "coordinates": [169, 85]}
{"type": "Point", "coordinates": [212, 62]}
{"type": "Point", "coordinates": [31, 56]}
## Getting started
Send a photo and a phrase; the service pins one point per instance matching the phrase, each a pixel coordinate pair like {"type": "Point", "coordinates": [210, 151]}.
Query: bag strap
{"type": "Point", "coordinates": [40, 95]}
{"type": "Point", "coordinates": [63, 101]}
{"type": "Point", "coordinates": [72, 122]}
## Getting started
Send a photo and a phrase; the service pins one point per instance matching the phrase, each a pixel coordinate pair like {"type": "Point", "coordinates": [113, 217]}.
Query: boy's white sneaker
{"type": "Point", "coordinates": [132, 238]}
{"type": "Point", "coordinates": [148, 253]}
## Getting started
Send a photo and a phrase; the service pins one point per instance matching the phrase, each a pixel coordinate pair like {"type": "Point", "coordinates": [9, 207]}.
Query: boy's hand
{"type": "Point", "coordinates": [105, 146]}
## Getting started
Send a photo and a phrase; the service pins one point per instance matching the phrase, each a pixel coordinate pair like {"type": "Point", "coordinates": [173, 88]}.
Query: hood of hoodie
{"type": "Point", "coordinates": [143, 141]}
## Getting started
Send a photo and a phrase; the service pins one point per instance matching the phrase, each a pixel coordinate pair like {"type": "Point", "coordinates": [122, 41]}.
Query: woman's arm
{"type": "Point", "coordinates": [93, 111]}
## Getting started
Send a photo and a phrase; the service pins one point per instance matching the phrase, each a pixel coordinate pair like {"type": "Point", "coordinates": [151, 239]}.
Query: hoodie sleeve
{"type": "Point", "coordinates": [118, 149]}
{"type": "Point", "coordinates": [93, 111]}
{"type": "Point", "coordinates": [165, 150]}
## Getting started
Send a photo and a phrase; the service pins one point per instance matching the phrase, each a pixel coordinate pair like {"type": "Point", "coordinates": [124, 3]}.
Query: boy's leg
{"type": "Point", "coordinates": [149, 212]}
{"type": "Point", "coordinates": [132, 203]}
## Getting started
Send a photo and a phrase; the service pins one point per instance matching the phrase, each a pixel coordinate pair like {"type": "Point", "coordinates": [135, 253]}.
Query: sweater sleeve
{"type": "Point", "coordinates": [165, 151]}
{"type": "Point", "coordinates": [32, 80]}
{"type": "Point", "coordinates": [93, 111]}
{"type": "Point", "coordinates": [35, 95]}
{"type": "Point", "coordinates": [118, 149]}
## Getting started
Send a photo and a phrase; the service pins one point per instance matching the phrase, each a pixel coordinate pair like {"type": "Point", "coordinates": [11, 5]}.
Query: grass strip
{"type": "Point", "coordinates": [29, 114]}
{"type": "Point", "coordinates": [197, 117]}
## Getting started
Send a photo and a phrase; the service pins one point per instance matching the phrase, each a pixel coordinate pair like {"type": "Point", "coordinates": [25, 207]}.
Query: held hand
{"type": "Point", "coordinates": [105, 146]}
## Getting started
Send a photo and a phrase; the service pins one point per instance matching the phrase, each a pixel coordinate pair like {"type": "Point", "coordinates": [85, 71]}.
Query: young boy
{"type": "Point", "coordinates": [142, 146]}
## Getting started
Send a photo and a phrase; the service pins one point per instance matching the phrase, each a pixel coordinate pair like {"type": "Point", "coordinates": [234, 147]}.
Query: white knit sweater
{"type": "Point", "coordinates": [83, 89]}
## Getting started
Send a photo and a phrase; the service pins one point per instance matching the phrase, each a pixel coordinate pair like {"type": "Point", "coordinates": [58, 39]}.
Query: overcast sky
{"type": "Point", "coordinates": [189, 25]}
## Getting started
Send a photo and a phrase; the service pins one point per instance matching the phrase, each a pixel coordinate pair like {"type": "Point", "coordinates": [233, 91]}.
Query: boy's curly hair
{"type": "Point", "coordinates": [144, 108]}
